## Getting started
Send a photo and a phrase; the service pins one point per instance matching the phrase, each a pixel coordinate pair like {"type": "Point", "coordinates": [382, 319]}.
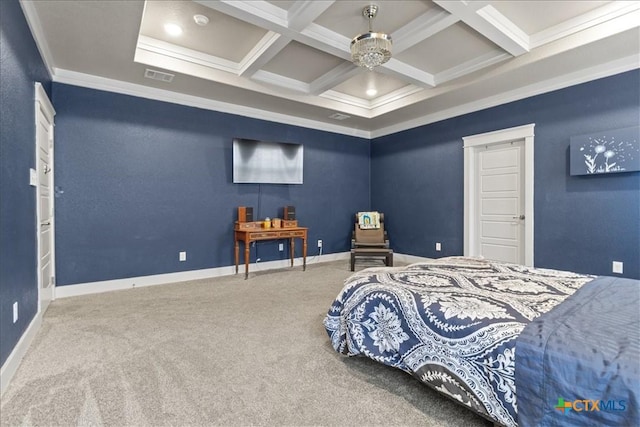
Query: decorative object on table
{"type": "Point", "coordinates": [276, 223]}
{"type": "Point", "coordinates": [245, 214]}
{"type": "Point", "coordinates": [289, 213]}
{"type": "Point", "coordinates": [610, 151]}
{"type": "Point", "coordinates": [266, 223]}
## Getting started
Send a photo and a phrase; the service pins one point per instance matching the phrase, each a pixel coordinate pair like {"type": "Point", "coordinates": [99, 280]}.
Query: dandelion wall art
{"type": "Point", "coordinates": [605, 152]}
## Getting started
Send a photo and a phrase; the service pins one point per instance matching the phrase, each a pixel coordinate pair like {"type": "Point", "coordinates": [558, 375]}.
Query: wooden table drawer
{"type": "Point", "coordinates": [291, 234]}
{"type": "Point", "coordinates": [262, 235]}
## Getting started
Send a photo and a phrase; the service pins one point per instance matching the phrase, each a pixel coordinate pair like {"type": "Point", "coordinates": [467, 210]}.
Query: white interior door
{"type": "Point", "coordinates": [498, 195]}
{"type": "Point", "coordinates": [500, 202]}
{"type": "Point", "coordinates": [45, 199]}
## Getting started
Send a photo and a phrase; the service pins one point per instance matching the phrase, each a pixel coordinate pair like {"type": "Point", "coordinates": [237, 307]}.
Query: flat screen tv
{"type": "Point", "coordinates": [261, 162]}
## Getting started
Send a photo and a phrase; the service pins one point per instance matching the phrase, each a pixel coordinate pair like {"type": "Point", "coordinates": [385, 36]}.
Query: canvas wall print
{"type": "Point", "coordinates": [609, 151]}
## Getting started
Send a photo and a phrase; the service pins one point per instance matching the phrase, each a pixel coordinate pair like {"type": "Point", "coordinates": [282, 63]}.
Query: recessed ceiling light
{"type": "Point", "coordinates": [173, 29]}
{"type": "Point", "coordinates": [372, 92]}
{"type": "Point", "coordinates": [201, 20]}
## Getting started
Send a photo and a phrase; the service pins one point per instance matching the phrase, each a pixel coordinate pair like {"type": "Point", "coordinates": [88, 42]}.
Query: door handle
{"type": "Point", "coordinates": [45, 223]}
{"type": "Point", "coordinates": [518, 217]}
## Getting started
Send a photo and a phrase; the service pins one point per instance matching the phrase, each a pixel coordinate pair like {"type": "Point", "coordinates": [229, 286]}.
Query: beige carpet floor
{"type": "Point", "coordinates": [217, 352]}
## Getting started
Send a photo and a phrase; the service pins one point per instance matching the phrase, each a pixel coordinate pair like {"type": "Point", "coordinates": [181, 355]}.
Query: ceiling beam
{"type": "Point", "coordinates": [334, 77]}
{"type": "Point", "coordinates": [263, 52]}
{"type": "Point", "coordinates": [424, 26]}
{"type": "Point", "coordinates": [408, 73]}
{"type": "Point", "coordinates": [303, 13]}
{"type": "Point", "coordinates": [493, 25]}
{"type": "Point", "coordinates": [471, 66]}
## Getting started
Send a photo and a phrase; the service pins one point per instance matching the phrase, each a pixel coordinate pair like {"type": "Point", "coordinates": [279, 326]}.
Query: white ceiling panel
{"type": "Point", "coordinates": [433, 56]}
{"type": "Point", "coordinates": [364, 81]}
{"type": "Point", "coordinates": [316, 63]}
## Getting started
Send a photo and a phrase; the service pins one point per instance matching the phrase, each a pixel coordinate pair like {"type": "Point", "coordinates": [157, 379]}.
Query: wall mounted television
{"type": "Point", "coordinates": [262, 162]}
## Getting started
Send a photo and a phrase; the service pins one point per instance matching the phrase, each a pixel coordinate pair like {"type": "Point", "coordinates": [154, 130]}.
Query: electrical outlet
{"type": "Point", "coordinates": [319, 243]}
{"type": "Point", "coordinates": [182, 256]}
{"type": "Point", "coordinates": [15, 312]}
{"type": "Point", "coordinates": [438, 246]}
{"type": "Point", "coordinates": [281, 247]}
{"type": "Point", "coordinates": [617, 267]}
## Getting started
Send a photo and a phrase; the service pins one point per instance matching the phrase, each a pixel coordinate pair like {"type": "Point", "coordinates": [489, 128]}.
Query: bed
{"type": "Point", "coordinates": [454, 323]}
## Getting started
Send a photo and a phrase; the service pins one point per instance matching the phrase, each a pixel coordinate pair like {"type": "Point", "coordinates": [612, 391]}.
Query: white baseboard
{"type": "Point", "coordinates": [12, 363]}
{"type": "Point", "coordinates": [183, 276]}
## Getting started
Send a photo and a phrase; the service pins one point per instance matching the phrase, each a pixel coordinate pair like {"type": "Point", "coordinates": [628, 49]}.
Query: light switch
{"type": "Point", "coordinates": [33, 177]}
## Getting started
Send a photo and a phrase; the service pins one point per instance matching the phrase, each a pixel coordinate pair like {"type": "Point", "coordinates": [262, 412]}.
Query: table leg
{"type": "Point", "coordinates": [237, 250]}
{"type": "Point", "coordinates": [304, 254]}
{"type": "Point", "coordinates": [247, 246]}
{"type": "Point", "coordinates": [292, 249]}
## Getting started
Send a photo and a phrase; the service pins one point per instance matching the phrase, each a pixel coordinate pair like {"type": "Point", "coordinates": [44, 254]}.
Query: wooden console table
{"type": "Point", "coordinates": [248, 233]}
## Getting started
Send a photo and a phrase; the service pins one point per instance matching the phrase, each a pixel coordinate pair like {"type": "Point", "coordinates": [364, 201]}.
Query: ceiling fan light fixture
{"type": "Point", "coordinates": [371, 49]}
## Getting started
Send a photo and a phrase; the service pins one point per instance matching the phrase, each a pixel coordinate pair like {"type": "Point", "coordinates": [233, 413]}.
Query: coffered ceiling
{"type": "Point", "coordinates": [289, 61]}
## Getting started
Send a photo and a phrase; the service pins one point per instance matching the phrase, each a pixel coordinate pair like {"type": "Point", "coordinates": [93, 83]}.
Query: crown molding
{"type": "Point", "coordinates": [582, 76]}
{"type": "Point", "coordinates": [347, 99]}
{"type": "Point", "coordinates": [470, 66]}
{"type": "Point", "coordinates": [615, 11]}
{"type": "Point", "coordinates": [281, 81]}
{"type": "Point", "coordinates": [188, 55]}
{"type": "Point", "coordinates": [33, 21]}
{"type": "Point", "coordinates": [132, 89]}
{"type": "Point", "coordinates": [628, 63]}
{"type": "Point", "coordinates": [392, 97]}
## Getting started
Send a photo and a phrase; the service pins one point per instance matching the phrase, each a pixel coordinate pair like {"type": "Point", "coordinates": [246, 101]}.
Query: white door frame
{"type": "Point", "coordinates": [42, 103]}
{"type": "Point", "coordinates": [471, 149]}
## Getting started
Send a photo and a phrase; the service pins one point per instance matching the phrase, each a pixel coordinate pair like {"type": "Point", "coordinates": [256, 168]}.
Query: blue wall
{"type": "Point", "coordinates": [582, 223]}
{"type": "Point", "coordinates": [138, 181]}
{"type": "Point", "coordinates": [20, 68]}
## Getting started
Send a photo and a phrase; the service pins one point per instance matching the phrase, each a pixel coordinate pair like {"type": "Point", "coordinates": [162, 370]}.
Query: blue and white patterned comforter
{"type": "Point", "coordinates": [452, 323]}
